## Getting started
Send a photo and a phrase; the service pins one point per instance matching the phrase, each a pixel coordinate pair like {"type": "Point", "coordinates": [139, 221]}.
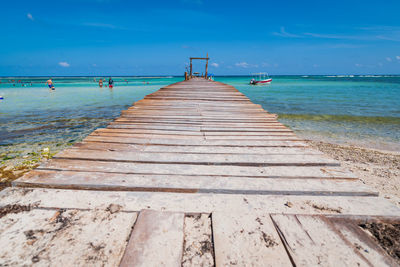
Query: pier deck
{"type": "Point", "coordinates": [193, 174]}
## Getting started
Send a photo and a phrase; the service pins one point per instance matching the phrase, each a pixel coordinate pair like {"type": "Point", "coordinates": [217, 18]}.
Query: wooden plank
{"type": "Point", "coordinates": [186, 115]}
{"type": "Point", "coordinates": [199, 159]}
{"type": "Point", "coordinates": [294, 172]}
{"type": "Point", "coordinates": [276, 136]}
{"type": "Point", "coordinates": [222, 117]}
{"type": "Point", "coordinates": [198, 149]}
{"type": "Point", "coordinates": [148, 131]}
{"type": "Point", "coordinates": [229, 143]}
{"type": "Point", "coordinates": [156, 240]}
{"type": "Point", "coordinates": [255, 137]}
{"type": "Point", "coordinates": [199, 203]}
{"type": "Point", "coordinates": [194, 133]}
{"type": "Point", "coordinates": [311, 241]}
{"type": "Point", "coordinates": [153, 127]}
{"type": "Point", "coordinates": [146, 136]}
{"type": "Point", "coordinates": [247, 240]}
{"type": "Point", "coordinates": [192, 184]}
{"type": "Point", "coordinates": [212, 126]}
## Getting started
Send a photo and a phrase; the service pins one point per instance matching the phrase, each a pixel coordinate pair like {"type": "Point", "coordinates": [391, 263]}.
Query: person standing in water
{"type": "Point", "coordinates": [110, 83]}
{"type": "Point", "coordinates": [101, 83]}
{"type": "Point", "coordinates": [50, 84]}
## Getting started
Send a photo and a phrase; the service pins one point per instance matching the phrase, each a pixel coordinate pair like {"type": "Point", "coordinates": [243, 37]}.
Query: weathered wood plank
{"type": "Point", "coordinates": [192, 184]}
{"type": "Point", "coordinates": [199, 159]}
{"type": "Point", "coordinates": [311, 241]}
{"type": "Point", "coordinates": [293, 172]}
{"type": "Point", "coordinates": [154, 127]}
{"type": "Point", "coordinates": [156, 240]}
{"type": "Point", "coordinates": [200, 203]}
{"type": "Point", "coordinates": [229, 143]}
{"type": "Point", "coordinates": [276, 136]}
{"type": "Point", "coordinates": [195, 133]}
{"type": "Point", "coordinates": [146, 136]}
{"type": "Point", "coordinates": [198, 149]}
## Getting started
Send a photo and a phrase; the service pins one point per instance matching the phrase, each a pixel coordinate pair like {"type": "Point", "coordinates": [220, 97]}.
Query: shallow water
{"type": "Point", "coordinates": [33, 114]}
{"type": "Point", "coordinates": [363, 110]}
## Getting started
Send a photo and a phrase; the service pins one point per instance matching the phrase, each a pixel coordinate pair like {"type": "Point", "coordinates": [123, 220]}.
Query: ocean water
{"type": "Point", "coordinates": [357, 110]}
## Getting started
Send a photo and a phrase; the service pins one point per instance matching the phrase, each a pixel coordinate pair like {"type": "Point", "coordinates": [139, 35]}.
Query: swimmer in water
{"type": "Point", "coordinates": [101, 83]}
{"type": "Point", "coordinates": [50, 84]}
{"type": "Point", "coordinates": [110, 83]}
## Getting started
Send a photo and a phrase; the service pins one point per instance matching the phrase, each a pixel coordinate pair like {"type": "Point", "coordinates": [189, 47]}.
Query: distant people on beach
{"type": "Point", "coordinates": [110, 83]}
{"type": "Point", "coordinates": [101, 83]}
{"type": "Point", "coordinates": [50, 84]}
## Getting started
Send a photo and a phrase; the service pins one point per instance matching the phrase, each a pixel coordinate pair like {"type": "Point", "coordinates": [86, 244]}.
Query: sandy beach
{"type": "Point", "coordinates": [378, 169]}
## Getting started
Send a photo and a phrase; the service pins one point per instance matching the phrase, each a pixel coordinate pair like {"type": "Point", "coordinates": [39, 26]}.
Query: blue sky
{"type": "Point", "coordinates": [117, 37]}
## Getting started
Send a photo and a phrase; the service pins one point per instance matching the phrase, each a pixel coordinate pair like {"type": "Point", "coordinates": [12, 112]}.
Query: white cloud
{"type": "Point", "coordinates": [246, 65]}
{"type": "Point", "coordinates": [215, 64]}
{"type": "Point", "coordinates": [94, 65]}
{"type": "Point", "coordinates": [389, 59]}
{"type": "Point", "coordinates": [64, 64]}
{"type": "Point", "coordinates": [29, 16]}
{"type": "Point", "coordinates": [242, 64]}
{"type": "Point", "coordinates": [358, 65]}
{"type": "Point", "coordinates": [398, 57]}
{"type": "Point", "coordinates": [386, 33]}
{"type": "Point", "coordinates": [284, 33]}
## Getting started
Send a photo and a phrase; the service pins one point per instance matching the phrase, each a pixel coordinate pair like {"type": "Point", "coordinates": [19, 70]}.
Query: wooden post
{"type": "Point", "coordinates": [190, 68]}
{"type": "Point", "coordinates": [206, 66]}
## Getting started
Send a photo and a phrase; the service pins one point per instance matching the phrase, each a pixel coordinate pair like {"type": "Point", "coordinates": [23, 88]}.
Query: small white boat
{"type": "Point", "coordinates": [260, 78]}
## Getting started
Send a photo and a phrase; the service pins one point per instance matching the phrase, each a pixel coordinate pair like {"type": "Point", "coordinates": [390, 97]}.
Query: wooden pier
{"type": "Point", "coordinates": [193, 174]}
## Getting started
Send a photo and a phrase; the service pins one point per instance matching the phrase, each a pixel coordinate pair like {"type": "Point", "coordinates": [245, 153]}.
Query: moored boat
{"type": "Point", "coordinates": [260, 78]}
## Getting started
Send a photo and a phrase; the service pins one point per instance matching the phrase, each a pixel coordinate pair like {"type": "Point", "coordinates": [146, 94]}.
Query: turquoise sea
{"type": "Point", "coordinates": [361, 110]}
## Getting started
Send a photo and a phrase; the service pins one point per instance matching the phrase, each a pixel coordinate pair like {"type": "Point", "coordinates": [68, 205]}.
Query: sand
{"type": "Point", "coordinates": [379, 170]}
